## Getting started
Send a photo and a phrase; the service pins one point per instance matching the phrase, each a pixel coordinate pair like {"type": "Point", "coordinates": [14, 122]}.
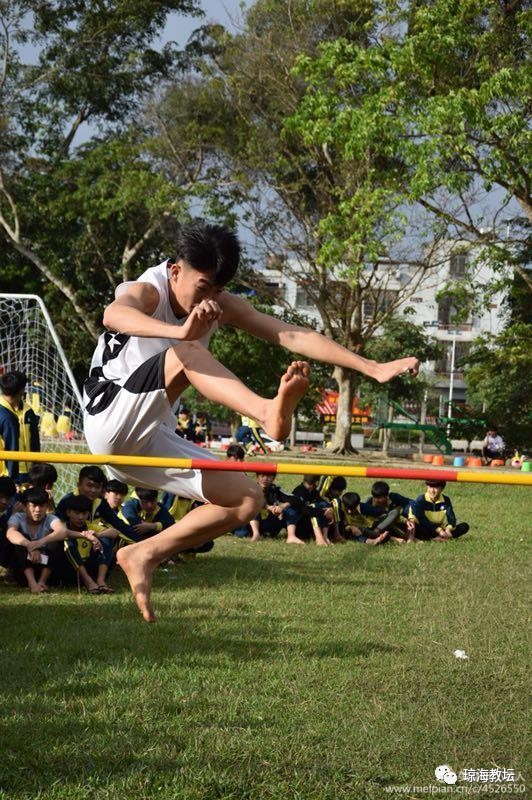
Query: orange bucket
{"type": "Point", "coordinates": [497, 462]}
{"type": "Point", "coordinates": [428, 459]}
{"type": "Point", "coordinates": [474, 461]}
{"type": "Point", "coordinates": [438, 461]}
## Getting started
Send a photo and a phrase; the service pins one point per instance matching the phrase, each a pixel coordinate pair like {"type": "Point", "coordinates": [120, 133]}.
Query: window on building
{"type": "Point", "coordinates": [458, 265]}
{"type": "Point", "coordinates": [443, 365]}
{"type": "Point", "coordinates": [302, 298]}
{"type": "Point", "coordinates": [276, 290]}
{"type": "Point", "coordinates": [385, 300]}
{"type": "Point", "coordinates": [448, 315]}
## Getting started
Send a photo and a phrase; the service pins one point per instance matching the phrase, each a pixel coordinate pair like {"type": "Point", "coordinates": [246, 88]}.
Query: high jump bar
{"type": "Point", "coordinates": [458, 475]}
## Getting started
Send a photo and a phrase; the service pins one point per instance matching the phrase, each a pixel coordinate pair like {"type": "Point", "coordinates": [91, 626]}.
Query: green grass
{"type": "Point", "coordinates": [277, 672]}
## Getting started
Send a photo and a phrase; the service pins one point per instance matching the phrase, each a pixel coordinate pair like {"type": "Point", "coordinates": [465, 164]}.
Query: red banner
{"type": "Point", "coordinates": [327, 408]}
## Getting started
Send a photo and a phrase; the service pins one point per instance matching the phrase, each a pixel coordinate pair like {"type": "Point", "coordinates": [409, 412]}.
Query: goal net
{"type": "Point", "coordinates": [29, 343]}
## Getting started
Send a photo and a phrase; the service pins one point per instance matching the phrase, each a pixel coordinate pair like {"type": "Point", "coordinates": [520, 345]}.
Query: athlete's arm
{"type": "Point", "coordinates": [306, 342]}
{"type": "Point", "coordinates": [131, 314]}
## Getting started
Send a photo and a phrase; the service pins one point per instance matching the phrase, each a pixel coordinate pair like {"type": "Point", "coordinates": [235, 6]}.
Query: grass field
{"type": "Point", "coordinates": [278, 672]}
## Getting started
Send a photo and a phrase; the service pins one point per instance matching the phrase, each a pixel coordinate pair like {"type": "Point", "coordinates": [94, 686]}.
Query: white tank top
{"type": "Point", "coordinates": [118, 355]}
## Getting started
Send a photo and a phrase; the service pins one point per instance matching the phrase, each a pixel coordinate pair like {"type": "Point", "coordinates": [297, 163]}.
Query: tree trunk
{"type": "Point", "coordinates": [387, 433]}
{"type": "Point", "coordinates": [341, 442]}
{"type": "Point", "coordinates": [422, 420]}
{"type": "Point", "coordinates": [293, 430]}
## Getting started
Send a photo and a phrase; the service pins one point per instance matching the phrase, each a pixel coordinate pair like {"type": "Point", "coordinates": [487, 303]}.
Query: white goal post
{"type": "Point", "coordinates": [29, 343]}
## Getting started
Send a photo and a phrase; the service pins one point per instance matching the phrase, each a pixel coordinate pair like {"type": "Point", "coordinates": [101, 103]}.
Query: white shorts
{"type": "Point", "coordinates": [137, 419]}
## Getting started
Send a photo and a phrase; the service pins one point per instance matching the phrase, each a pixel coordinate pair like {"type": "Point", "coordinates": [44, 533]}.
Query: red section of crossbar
{"type": "Point", "coordinates": [412, 474]}
{"type": "Point", "coordinates": [236, 466]}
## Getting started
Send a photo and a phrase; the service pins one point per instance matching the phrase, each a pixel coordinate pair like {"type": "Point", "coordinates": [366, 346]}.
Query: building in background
{"type": "Point", "coordinates": [432, 308]}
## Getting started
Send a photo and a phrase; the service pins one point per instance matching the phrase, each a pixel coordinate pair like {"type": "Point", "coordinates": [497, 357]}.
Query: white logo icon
{"type": "Point", "coordinates": [445, 774]}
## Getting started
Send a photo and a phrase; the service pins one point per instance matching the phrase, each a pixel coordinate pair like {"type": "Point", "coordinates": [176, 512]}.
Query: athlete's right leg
{"type": "Point", "coordinates": [191, 362]}
{"type": "Point", "coordinates": [232, 501]}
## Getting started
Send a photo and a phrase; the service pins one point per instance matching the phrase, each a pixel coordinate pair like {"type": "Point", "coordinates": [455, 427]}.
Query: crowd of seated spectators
{"type": "Point", "coordinates": [321, 510]}
{"type": "Point", "coordinates": [73, 542]}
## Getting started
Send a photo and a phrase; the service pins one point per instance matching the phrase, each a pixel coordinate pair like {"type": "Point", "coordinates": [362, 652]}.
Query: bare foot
{"type": "Point", "coordinates": [36, 589]}
{"type": "Point", "coordinates": [294, 540]}
{"type": "Point", "coordinates": [293, 385]}
{"type": "Point", "coordinates": [385, 372]}
{"type": "Point", "coordinates": [139, 574]}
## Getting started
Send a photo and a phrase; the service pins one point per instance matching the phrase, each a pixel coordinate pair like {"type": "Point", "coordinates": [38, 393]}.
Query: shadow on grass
{"type": "Point", "coordinates": [68, 658]}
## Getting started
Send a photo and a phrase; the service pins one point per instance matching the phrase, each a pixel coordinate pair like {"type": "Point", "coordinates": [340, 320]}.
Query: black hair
{"type": "Point", "coordinates": [338, 484]}
{"type": "Point", "coordinates": [42, 474]}
{"type": "Point", "coordinates": [146, 494]}
{"type": "Point", "coordinates": [209, 248]}
{"type": "Point", "coordinates": [380, 489]}
{"type": "Point", "coordinates": [236, 451]}
{"type": "Point", "coordinates": [94, 474]}
{"type": "Point", "coordinates": [8, 487]}
{"type": "Point", "coordinates": [77, 502]}
{"type": "Point", "coordinates": [183, 410]}
{"type": "Point", "coordinates": [273, 474]}
{"type": "Point", "coordinates": [13, 382]}
{"type": "Point", "coordinates": [351, 499]}
{"type": "Point", "coordinates": [37, 496]}
{"type": "Point", "coordinates": [116, 486]}
{"type": "Point", "coordinates": [439, 484]}
{"type": "Point", "coordinates": [312, 479]}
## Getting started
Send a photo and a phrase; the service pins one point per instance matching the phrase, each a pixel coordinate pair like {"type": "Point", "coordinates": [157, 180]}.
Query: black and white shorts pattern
{"type": "Point", "coordinates": [135, 418]}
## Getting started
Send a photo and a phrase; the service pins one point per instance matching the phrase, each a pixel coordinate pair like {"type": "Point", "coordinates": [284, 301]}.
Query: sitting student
{"type": "Point", "coordinates": [390, 509]}
{"type": "Point", "coordinates": [331, 489]}
{"type": "Point", "coordinates": [145, 514]}
{"type": "Point", "coordinates": [433, 517]}
{"type": "Point", "coordinates": [115, 493]}
{"type": "Point", "coordinates": [356, 527]}
{"type": "Point", "coordinates": [80, 551]}
{"type": "Point", "coordinates": [102, 520]}
{"type": "Point", "coordinates": [8, 494]}
{"type": "Point", "coordinates": [43, 476]}
{"type": "Point", "coordinates": [281, 510]}
{"type": "Point", "coordinates": [34, 532]}
{"type": "Point", "coordinates": [493, 446]}
{"type": "Point", "coordinates": [40, 476]}
{"type": "Point", "coordinates": [202, 428]}
{"type": "Point", "coordinates": [313, 520]}
{"type": "Point", "coordinates": [184, 424]}
{"type": "Point", "coordinates": [235, 452]}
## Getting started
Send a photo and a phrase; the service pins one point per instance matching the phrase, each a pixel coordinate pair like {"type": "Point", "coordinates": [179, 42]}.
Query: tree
{"type": "Point", "coordinates": [443, 92]}
{"type": "Point", "coordinates": [258, 364]}
{"type": "Point", "coordinates": [398, 337]}
{"type": "Point", "coordinates": [332, 223]}
{"type": "Point", "coordinates": [498, 380]}
{"type": "Point", "coordinates": [81, 216]}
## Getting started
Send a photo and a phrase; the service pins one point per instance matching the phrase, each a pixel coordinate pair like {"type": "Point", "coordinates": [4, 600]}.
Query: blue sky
{"type": "Point", "coordinates": [179, 28]}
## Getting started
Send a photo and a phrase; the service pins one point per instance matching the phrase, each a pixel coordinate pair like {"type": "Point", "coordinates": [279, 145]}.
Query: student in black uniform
{"type": "Point", "coordinates": [331, 488]}
{"type": "Point", "coordinates": [8, 494]}
{"type": "Point", "coordinates": [81, 552]}
{"type": "Point", "coordinates": [433, 517]}
{"type": "Point", "coordinates": [144, 513]}
{"type": "Point", "coordinates": [390, 509]}
{"type": "Point", "coordinates": [313, 521]}
{"type": "Point", "coordinates": [280, 510]}
{"type": "Point", "coordinates": [102, 520]}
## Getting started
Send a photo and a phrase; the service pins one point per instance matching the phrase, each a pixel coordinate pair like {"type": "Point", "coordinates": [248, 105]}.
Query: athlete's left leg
{"type": "Point", "coordinates": [232, 501]}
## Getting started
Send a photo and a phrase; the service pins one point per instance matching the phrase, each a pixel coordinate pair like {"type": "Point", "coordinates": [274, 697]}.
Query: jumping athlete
{"type": "Point", "coordinates": [156, 344]}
